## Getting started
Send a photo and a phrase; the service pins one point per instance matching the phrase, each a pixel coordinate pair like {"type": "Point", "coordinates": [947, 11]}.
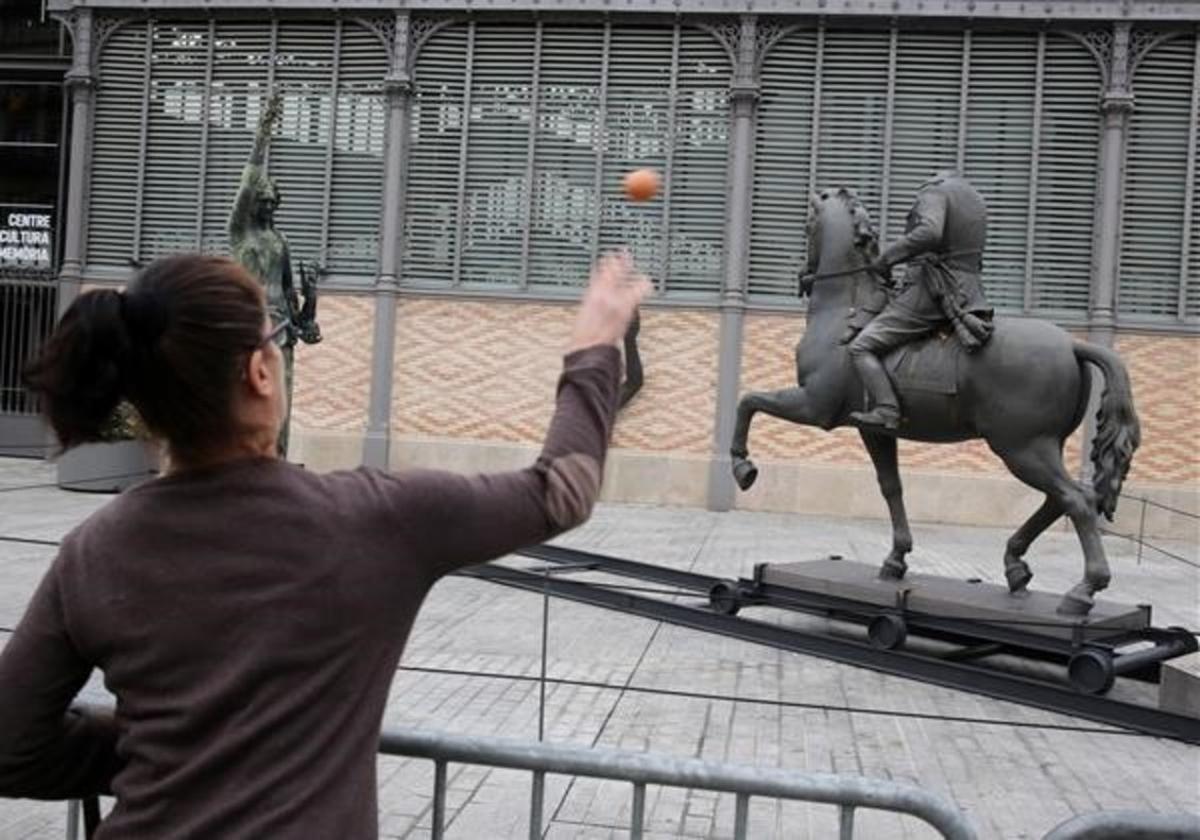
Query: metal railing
{"type": "Point", "coordinates": [1128, 825]}
{"type": "Point", "coordinates": [848, 793]}
{"type": "Point", "coordinates": [642, 769]}
{"type": "Point", "coordinates": [28, 309]}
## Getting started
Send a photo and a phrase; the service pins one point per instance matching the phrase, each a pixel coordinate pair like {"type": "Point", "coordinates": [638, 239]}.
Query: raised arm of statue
{"type": "Point", "coordinates": [241, 217]}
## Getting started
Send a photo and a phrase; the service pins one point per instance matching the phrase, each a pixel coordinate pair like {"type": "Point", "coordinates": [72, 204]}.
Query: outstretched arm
{"type": "Point", "coordinates": [454, 520]}
{"type": "Point", "coordinates": [243, 203]}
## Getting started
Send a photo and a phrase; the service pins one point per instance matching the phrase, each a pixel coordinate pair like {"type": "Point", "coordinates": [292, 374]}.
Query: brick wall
{"type": "Point", "coordinates": [486, 371]}
{"type": "Point", "coordinates": [333, 378]}
{"type": "Point", "coordinates": [1165, 372]}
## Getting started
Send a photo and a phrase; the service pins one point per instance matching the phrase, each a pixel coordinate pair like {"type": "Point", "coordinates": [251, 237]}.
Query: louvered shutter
{"type": "Point", "coordinates": [499, 120]}
{"type": "Point", "coordinates": [697, 189]}
{"type": "Point", "coordinates": [1066, 178]}
{"type": "Point", "coordinates": [853, 106]}
{"type": "Point", "coordinates": [783, 148]}
{"type": "Point", "coordinates": [1155, 182]}
{"type": "Point", "coordinates": [1000, 111]}
{"type": "Point", "coordinates": [356, 194]}
{"type": "Point", "coordinates": [116, 141]}
{"type": "Point", "coordinates": [432, 181]}
{"type": "Point", "coordinates": [925, 118]}
{"type": "Point", "coordinates": [565, 206]}
{"type": "Point", "coordinates": [636, 119]}
{"type": "Point", "coordinates": [1192, 280]}
{"type": "Point", "coordinates": [172, 191]}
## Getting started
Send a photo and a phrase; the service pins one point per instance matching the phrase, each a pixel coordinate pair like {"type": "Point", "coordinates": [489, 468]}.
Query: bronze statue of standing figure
{"type": "Point", "coordinates": [263, 251]}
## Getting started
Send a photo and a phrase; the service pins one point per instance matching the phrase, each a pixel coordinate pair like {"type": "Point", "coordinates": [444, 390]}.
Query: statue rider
{"type": "Point", "coordinates": [943, 244]}
{"type": "Point", "coordinates": [263, 251]}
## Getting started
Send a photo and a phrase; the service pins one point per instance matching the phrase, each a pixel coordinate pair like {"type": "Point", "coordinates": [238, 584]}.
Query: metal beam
{"type": "Point", "coordinates": [1095, 10]}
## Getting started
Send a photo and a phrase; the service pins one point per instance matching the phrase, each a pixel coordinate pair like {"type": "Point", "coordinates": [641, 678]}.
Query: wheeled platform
{"type": "Point", "coordinates": [1113, 639]}
{"type": "Point", "coordinates": [1096, 649]}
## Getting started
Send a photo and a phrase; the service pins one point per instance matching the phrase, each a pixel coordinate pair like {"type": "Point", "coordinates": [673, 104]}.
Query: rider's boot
{"type": "Point", "coordinates": [886, 413]}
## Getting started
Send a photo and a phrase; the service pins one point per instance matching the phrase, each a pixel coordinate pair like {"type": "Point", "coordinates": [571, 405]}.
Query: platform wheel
{"type": "Point", "coordinates": [724, 599]}
{"type": "Point", "coordinates": [887, 631]}
{"type": "Point", "coordinates": [1091, 671]}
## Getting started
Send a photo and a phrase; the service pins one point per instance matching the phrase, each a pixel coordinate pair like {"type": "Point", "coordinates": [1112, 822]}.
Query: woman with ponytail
{"type": "Point", "coordinates": [248, 614]}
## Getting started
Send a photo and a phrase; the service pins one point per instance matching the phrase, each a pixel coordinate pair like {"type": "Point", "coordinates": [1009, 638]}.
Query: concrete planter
{"type": "Point", "coordinates": [107, 467]}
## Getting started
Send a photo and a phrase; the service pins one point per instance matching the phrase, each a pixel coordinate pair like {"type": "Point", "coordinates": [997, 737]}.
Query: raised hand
{"type": "Point", "coordinates": [613, 294]}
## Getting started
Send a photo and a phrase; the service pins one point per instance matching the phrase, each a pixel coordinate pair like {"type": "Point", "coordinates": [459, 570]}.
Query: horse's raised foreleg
{"type": "Point", "coordinates": [1016, 570]}
{"type": "Point", "coordinates": [882, 449]}
{"type": "Point", "coordinates": [787, 404]}
{"type": "Point", "coordinates": [1039, 464]}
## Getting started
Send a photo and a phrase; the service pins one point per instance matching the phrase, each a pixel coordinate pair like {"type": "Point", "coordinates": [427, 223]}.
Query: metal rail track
{"type": "Point", "coordinates": [948, 672]}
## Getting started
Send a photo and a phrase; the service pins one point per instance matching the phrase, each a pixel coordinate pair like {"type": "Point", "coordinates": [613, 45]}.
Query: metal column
{"type": "Point", "coordinates": [743, 93]}
{"type": "Point", "coordinates": [398, 91]}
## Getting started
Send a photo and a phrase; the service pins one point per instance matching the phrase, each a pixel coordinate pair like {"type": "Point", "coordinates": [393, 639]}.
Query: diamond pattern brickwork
{"type": "Point", "coordinates": [333, 378]}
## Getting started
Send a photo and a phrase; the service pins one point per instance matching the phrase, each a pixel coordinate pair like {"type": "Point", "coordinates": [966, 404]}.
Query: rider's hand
{"type": "Point", "coordinates": [613, 294]}
{"type": "Point", "coordinates": [881, 270]}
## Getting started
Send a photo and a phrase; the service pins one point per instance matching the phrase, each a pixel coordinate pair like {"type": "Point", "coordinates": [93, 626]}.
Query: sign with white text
{"type": "Point", "coordinates": [26, 236]}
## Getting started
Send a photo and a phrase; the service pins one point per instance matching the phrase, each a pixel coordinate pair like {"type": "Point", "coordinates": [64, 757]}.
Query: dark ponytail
{"type": "Point", "coordinates": [80, 370]}
{"type": "Point", "coordinates": [172, 344]}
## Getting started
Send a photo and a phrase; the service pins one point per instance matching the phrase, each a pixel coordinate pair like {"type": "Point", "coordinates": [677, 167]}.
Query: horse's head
{"type": "Point", "coordinates": [841, 236]}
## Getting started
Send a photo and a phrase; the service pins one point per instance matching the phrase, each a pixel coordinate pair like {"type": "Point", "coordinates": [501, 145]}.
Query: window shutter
{"type": "Point", "coordinates": [1000, 116]}
{"type": "Point", "coordinates": [172, 191]}
{"type": "Point", "coordinates": [356, 197]}
{"type": "Point", "coordinates": [565, 207]}
{"type": "Point", "coordinates": [925, 120]}
{"type": "Point", "coordinates": [1066, 192]}
{"type": "Point", "coordinates": [116, 145]}
{"type": "Point", "coordinates": [1155, 182]}
{"type": "Point", "coordinates": [852, 107]}
{"type": "Point", "coordinates": [608, 99]}
{"type": "Point", "coordinates": [699, 153]}
{"type": "Point", "coordinates": [497, 141]}
{"type": "Point", "coordinates": [432, 182]}
{"type": "Point", "coordinates": [782, 153]}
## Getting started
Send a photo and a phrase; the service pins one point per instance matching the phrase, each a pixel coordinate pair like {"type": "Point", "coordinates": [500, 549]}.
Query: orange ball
{"type": "Point", "coordinates": [642, 184]}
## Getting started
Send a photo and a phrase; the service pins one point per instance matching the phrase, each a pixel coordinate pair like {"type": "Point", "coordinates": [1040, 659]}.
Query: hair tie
{"type": "Point", "coordinates": [145, 317]}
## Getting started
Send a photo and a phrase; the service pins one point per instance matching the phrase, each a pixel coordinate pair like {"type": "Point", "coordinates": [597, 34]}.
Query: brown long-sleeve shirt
{"type": "Point", "coordinates": [249, 618]}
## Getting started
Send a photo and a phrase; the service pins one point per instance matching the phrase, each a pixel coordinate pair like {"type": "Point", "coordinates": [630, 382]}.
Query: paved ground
{"type": "Point", "coordinates": [472, 663]}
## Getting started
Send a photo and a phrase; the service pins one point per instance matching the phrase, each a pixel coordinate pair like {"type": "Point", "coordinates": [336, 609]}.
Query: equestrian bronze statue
{"type": "Point", "coordinates": [263, 251]}
{"type": "Point", "coordinates": [1024, 390]}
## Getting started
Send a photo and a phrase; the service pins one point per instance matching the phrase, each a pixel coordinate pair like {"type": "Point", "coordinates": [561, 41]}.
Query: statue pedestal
{"type": "Point", "coordinates": [1032, 612]}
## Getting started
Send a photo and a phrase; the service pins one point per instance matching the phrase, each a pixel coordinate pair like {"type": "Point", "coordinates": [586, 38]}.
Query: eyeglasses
{"type": "Point", "coordinates": [280, 334]}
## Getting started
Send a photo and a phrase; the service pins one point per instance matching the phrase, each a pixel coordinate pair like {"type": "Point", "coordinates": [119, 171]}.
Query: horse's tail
{"type": "Point", "coordinates": [1118, 432]}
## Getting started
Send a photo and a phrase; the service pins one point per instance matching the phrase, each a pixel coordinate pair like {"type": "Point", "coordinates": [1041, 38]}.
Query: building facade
{"type": "Point", "coordinates": [454, 167]}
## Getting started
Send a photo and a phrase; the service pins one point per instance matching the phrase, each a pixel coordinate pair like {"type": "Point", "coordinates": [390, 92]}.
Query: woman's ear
{"type": "Point", "coordinates": [258, 374]}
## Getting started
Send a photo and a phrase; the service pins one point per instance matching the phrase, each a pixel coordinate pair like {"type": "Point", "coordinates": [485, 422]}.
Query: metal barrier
{"type": "Point", "coordinates": [641, 769]}
{"type": "Point", "coordinates": [1128, 825]}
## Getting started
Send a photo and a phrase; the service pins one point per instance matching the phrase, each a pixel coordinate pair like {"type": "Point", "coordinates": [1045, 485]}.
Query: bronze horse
{"type": "Point", "coordinates": [1024, 393]}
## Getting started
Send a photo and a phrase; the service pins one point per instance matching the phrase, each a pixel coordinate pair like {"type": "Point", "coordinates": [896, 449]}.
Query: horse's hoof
{"type": "Point", "coordinates": [1078, 601]}
{"type": "Point", "coordinates": [893, 568]}
{"type": "Point", "coordinates": [1018, 575]}
{"type": "Point", "coordinates": [744, 472]}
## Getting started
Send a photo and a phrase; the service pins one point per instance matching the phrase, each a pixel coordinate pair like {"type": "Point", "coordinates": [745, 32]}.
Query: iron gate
{"type": "Point", "coordinates": [28, 307]}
